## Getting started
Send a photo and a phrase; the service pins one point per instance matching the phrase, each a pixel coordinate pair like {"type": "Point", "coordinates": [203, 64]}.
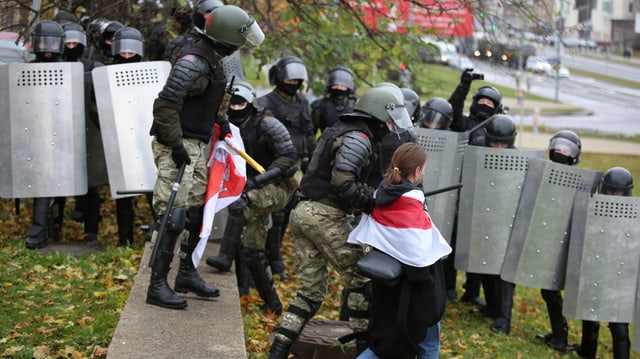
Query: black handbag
{"type": "Point", "coordinates": [380, 267]}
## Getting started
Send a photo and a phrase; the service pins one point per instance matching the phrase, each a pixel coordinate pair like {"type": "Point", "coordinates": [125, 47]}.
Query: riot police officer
{"type": "Point", "coordinates": [47, 43]}
{"type": "Point", "coordinates": [437, 114]}
{"type": "Point", "coordinates": [105, 40]}
{"type": "Point", "coordinates": [291, 107]}
{"type": "Point", "coordinates": [564, 147]}
{"type": "Point", "coordinates": [184, 114]}
{"type": "Point", "coordinates": [617, 181]}
{"type": "Point", "coordinates": [486, 101]}
{"type": "Point", "coordinates": [332, 188]}
{"type": "Point", "coordinates": [339, 98]}
{"type": "Point", "coordinates": [268, 142]}
{"type": "Point", "coordinates": [87, 207]}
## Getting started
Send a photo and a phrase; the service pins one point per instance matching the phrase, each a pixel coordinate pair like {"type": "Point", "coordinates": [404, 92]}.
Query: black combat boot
{"type": "Point", "coordinates": [502, 324]}
{"type": "Point", "coordinates": [188, 279]}
{"type": "Point", "coordinates": [125, 215]}
{"type": "Point", "coordinates": [159, 293]}
{"type": "Point", "coordinates": [620, 338]}
{"type": "Point", "coordinates": [243, 276]}
{"type": "Point", "coordinates": [41, 221]}
{"type": "Point", "coordinates": [229, 244]}
{"type": "Point", "coordinates": [260, 272]}
{"type": "Point", "coordinates": [280, 348]}
{"type": "Point", "coordinates": [274, 240]}
{"type": "Point", "coordinates": [558, 340]}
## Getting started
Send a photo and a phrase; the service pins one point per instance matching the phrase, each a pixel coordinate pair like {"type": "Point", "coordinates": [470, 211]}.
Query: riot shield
{"type": "Point", "coordinates": [603, 259]}
{"type": "Point", "coordinates": [445, 150]}
{"type": "Point", "coordinates": [42, 134]}
{"type": "Point", "coordinates": [537, 251]}
{"type": "Point", "coordinates": [125, 94]}
{"type": "Point", "coordinates": [232, 66]}
{"type": "Point", "coordinates": [492, 181]}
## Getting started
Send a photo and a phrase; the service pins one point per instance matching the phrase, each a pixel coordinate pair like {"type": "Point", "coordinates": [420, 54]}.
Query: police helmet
{"type": "Point", "coordinates": [490, 93]}
{"type": "Point", "coordinates": [63, 16]}
{"type": "Point", "coordinates": [568, 143]}
{"type": "Point", "coordinates": [287, 68]}
{"type": "Point", "coordinates": [106, 34]}
{"type": "Point", "coordinates": [245, 90]}
{"type": "Point", "coordinates": [202, 8]}
{"type": "Point", "coordinates": [383, 103]}
{"type": "Point", "coordinates": [340, 75]}
{"type": "Point", "coordinates": [501, 129]}
{"type": "Point", "coordinates": [438, 114]}
{"type": "Point", "coordinates": [47, 36]}
{"type": "Point", "coordinates": [74, 32]}
{"type": "Point", "coordinates": [412, 102]}
{"type": "Point", "coordinates": [231, 26]}
{"type": "Point", "coordinates": [617, 179]}
{"type": "Point", "coordinates": [181, 10]}
{"type": "Point", "coordinates": [127, 39]}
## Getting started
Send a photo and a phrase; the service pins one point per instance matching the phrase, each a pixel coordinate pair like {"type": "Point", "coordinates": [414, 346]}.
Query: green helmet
{"type": "Point", "coordinates": [385, 102]}
{"type": "Point", "coordinates": [232, 26]}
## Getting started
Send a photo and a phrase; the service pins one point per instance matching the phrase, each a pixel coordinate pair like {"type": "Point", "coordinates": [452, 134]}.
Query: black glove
{"type": "Point", "coordinates": [180, 156]}
{"type": "Point", "coordinates": [251, 184]}
{"type": "Point", "coordinates": [467, 76]}
{"type": "Point", "coordinates": [225, 130]}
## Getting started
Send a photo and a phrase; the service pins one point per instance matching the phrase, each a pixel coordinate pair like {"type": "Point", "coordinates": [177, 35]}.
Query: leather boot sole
{"type": "Point", "coordinates": [153, 301]}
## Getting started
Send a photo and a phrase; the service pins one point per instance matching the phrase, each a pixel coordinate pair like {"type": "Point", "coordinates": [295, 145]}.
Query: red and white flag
{"type": "Point", "coordinates": [403, 230]}
{"type": "Point", "coordinates": [227, 177]}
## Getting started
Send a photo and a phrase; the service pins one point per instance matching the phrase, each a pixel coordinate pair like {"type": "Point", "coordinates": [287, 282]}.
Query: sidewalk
{"type": "Point", "coordinates": [207, 328]}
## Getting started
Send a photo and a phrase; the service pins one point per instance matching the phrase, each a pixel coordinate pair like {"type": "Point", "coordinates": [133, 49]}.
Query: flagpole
{"type": "Point", "coordinates": [244, 155]}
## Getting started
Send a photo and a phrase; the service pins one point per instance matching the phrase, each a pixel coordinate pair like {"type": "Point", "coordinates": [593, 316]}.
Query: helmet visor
{"type": "Point", "coordinates": [565, 147]}
{"type": "Point", "coordinates": [127, 45]}
{"type": "Point", "coordinates": [75, 36]}
{"type": "Point", "coordinates": [340, 77]}
{"type": "Point", "coordinates": [245, 93]}
{"type": "Point", "coordinates": [253, 33]}
{"type": "Point", "coordinates": [295, 71]}
{"type": "Point", "coordinates": [400, 116]}
{"type": "Point", "coordinates": [434, 119]}
{"type": "Point", "coordinates": [47, 44]}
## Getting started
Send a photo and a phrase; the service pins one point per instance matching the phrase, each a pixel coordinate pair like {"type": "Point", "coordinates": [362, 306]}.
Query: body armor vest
{"type": "Point", "coordinates": [255, 142]}
{"type": "Point", "coordinates": [330, 108]}
{"type": "Point", "coordinates": [294, 116]}
{"type": "Point", "coordinates": [199, 113]}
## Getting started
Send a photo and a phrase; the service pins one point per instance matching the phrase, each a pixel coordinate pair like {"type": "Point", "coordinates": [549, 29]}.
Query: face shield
{"type": "Point", "coordinates": [75, 36]}
{"type": "Point", "coordinates": [341, 77]}
{"type": "Point", "coordinates": [565, 147]}
{"type": "Point", "coordinates": [252, 33]}
{"type": "Point", "coordinates": [295, 71]}
{"type": "Point", "coordinates": [401, 118]}
{"type": "Point", "coordinates": [47, 44]}
{"type": "Point", "coordinates": [435, 119]}
{"type": "Point", "coordinates": [127, 45]}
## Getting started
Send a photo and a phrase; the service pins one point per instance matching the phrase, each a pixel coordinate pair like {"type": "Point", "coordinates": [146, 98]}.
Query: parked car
{"type": "Point", "coordinates": [538, 65]}
{"type": "Point", "coordinates": [10, 52]}
{"type": "Point", "coordinates": [562, 71]}
{"type": "Point", "coordinates": [460, 62]}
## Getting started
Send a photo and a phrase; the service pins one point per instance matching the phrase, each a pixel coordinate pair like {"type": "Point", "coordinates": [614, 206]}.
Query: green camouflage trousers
{"type": "Point", "coordinates": [193, 187]}
{"type": "Point", "coordinates": [262, 201]}
{"type": "Point", "coordinates": [320, 233]}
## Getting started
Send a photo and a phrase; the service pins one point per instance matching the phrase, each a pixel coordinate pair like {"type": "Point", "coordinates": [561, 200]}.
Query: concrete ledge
{"type": "Point", "coordinates": [207, 328]}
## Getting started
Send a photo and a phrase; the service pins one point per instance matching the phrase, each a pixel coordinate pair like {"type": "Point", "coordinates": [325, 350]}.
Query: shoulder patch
{"type": "Point", "coordinates": [363, 134]}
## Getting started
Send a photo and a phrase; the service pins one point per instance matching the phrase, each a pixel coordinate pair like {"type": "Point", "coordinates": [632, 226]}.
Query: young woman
{"type": "Point", "coordinates": [404, 321]}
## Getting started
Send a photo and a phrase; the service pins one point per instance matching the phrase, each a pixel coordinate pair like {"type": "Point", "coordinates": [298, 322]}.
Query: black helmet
{"type": "Point", "coordinates": [412, 102]}
{"type": "Point", "coordinates": [340, 75]}
{"type": "Point", "coordinates": [492, 94]}
{"type": "Point", "coordinates": [568, 145]}
{"type": "Point", "coordinates": [287, 68]}
{"type": "Point", "coordinates": [106, 34]}
{"type": "Point", "coordinates": [501, 129]}
{"type": "Point", "coordinates": [47, 36]}
{"type": "Point", "coordinates": [127, 39]}
{"type": "Point", "coordinates": [617, 179]}
{"type": "Point", "coordinates": [181, 10]}
{"type": "Point", "coordinates": [437, 114]}
{"type": "Point", "coordinates": [202, 8]}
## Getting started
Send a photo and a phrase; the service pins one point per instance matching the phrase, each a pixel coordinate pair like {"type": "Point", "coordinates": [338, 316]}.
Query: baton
{"type": "Point", "coordinates": [244, 155]}
{"type": "Point", "coordinates": [443, 189]}
{"type": "Point", "coordinates": [167, 213]}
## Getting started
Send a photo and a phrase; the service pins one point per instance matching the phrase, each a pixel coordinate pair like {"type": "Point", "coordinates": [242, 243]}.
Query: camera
{"type": "Point", "coordinates": [477, 76]}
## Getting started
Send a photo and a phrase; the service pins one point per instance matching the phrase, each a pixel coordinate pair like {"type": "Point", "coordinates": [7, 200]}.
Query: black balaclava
{"type": "Point", "coordinates": [40, 57]}
{"type": "Point", "coordinates": [338, 94]}
{"type": "Point", "coordinates": [117, 59]}
{"type": "Point", "coordinates": [237, 117]}
{"type": "Point", "coordinates": [290, 89]}
{"type": "Point", "coordinates": [560, 158]}
{"type": "Point", "coordinates": [73, 54]}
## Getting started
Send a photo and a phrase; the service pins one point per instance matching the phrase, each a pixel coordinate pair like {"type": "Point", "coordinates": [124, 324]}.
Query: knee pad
{"type": "Point", "coordinates": [177, 220]}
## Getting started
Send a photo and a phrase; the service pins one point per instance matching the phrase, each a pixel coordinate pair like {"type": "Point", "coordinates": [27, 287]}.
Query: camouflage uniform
{"type": "Point", "coordinates": [331, 190]}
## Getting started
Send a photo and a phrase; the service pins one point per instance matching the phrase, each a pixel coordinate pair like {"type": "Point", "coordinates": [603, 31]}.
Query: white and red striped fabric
{"type": "Point", "coordinates": [403, 230]}
{"type": "Point", "coordinates": [227, 178]}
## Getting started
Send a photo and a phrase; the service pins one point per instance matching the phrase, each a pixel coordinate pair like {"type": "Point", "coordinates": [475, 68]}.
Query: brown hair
{"type": "Point", "coordinates": [406, 158]}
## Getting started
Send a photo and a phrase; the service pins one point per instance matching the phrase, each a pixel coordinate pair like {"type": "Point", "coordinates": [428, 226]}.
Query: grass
{"type": "Point", "coordinates": [605, 78]}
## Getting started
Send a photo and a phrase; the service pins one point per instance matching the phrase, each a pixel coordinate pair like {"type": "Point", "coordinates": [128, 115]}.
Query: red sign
{"type": "Point", "coordinates": [450, 18]}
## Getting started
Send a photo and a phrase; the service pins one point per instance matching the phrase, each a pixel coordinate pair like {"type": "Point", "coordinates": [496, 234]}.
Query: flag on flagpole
{"type": "Point", "coordinates": [227, 178]}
